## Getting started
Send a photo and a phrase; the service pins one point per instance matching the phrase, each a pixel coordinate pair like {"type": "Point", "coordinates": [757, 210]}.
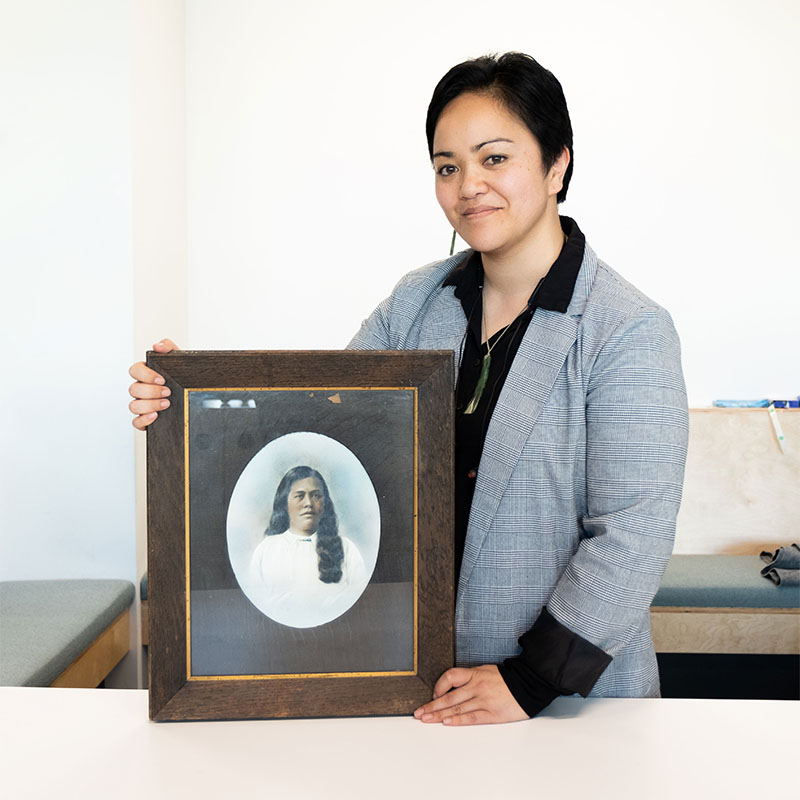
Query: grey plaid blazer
{"type": "Point", "coordinates": [580, 480]}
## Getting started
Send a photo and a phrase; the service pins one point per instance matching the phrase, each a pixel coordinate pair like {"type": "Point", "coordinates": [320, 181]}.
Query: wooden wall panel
{"type": "Point", "coordinates": [741, 494]}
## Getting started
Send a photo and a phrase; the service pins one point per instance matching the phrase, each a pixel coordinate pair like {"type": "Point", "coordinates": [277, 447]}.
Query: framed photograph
{"type": "Point", "coordinates": [300, 524]}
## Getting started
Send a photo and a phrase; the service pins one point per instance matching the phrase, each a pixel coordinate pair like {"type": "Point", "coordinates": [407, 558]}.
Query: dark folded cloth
{"type": "Point", "coordinates": [783, 566]}
{"type": "Point", "coordinates": [784, 577]}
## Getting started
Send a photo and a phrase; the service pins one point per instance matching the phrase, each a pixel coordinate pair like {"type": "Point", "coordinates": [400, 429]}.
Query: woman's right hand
{"type": "Point", "coordinates": [148, 391]}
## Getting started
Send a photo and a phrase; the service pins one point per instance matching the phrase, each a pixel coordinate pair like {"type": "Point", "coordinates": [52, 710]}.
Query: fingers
{"type": "Point", "coordinates": [148, 400]}
{"type": "Point", "coordinates": [149, 395]}
{"type": "Point", "coordinates": [147, 406]}
{"type": "Point", "coordinates": [458, 701]}
{"type": "Point", "coordinates": [148, 390]}
{"type": "Point", "coordinates": [146, 411]}
{"type": "Point", "coordinates": [467, 714]}
{"type": "Point", "coordinates": [143, 374]}
{"type": "Point", "coordinates": [478, 717]}
{"type": "Point", "coordinates": [141, 422]}
{"type": "Point", "coordinates": [456, 676]}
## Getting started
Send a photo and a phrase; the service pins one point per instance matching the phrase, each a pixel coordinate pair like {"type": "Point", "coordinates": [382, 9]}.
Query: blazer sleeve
{"type": "Point", "coordinates": [374, 331]}
{"type": "Point", "coordinates": [636, 440]}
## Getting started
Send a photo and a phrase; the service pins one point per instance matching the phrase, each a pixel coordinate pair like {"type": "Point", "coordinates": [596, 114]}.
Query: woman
{"type": "Point", "coordinates": [303, 561]}
{"type": "Point", "coordinates": [571, 424]}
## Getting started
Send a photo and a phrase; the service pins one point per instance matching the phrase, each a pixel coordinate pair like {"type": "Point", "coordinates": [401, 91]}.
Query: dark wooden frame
{"type": "Point", "coordinates": [172, 695]}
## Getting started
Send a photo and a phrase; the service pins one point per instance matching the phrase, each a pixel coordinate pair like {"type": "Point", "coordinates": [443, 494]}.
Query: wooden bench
{"type": "Point", "coordinates": [722, 604]}
{"type": "Point", "coordinates": [68, 633]}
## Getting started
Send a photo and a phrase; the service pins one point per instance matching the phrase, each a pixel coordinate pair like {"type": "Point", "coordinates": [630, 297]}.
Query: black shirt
{"type": "Point", "coordinates": [554, 659]}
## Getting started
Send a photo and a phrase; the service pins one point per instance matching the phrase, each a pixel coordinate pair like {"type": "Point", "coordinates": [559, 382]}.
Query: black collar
{"type": "Point", "coordinates": [555, 291]}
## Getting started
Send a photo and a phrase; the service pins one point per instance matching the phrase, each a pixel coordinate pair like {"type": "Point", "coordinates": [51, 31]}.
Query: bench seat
{"type": "Point", "coordinates": [722, 604]}
{"type": "Point", "coordinates": [63, 632]}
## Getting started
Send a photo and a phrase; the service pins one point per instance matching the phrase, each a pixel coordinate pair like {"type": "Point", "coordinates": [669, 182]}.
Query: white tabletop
{"type": "Point", "coordinates": [95, 743]}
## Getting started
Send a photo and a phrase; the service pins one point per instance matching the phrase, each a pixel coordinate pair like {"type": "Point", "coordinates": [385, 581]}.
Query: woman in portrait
{"type": "Point", "coordinates": [303, 557]}
{"type": "Point", "coordinates": [571, 414]}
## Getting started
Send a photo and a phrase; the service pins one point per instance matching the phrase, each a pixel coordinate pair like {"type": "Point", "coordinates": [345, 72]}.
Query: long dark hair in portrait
{"type": "Point", "coordinates": [330, 552]}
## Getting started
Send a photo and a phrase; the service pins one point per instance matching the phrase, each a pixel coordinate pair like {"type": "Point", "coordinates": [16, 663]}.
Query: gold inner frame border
{"type": "Point", "coordinates": [187, 571]}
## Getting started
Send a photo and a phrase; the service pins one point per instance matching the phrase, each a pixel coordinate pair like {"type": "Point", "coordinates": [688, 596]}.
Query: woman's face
{"type": "Point", "coordinates": [306, 503]}
{"type": "Point", "coordinates": [490, 181]}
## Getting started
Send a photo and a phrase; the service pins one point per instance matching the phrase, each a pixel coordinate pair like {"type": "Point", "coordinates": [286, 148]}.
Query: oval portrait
{"type": "Point", "coordinates": [303, 529]}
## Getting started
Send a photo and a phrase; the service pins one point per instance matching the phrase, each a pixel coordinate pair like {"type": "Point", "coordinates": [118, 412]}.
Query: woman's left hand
{"type": "Point", "coordinates": [474, 696]}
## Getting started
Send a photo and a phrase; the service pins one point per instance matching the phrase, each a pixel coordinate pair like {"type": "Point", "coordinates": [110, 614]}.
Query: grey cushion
{"type": "Point", "coordinates": [46, 625]}
{"type": "Point", "coordinates": [722, 581]}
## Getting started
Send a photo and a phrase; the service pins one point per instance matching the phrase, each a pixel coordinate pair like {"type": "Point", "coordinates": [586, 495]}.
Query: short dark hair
{"type": "Point", "coordinates": [330, 551]}
{"type": "Point", "coordinates": [525, 88]}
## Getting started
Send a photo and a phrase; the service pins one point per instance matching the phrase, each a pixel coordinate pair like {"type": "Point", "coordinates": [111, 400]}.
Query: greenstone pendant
{"type": "Point", "coordinates": [480, 386]}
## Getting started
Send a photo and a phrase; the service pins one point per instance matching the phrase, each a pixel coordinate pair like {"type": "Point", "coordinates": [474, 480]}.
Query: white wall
{"type": "Point", "coordinates": [299, 174]}
{"type": "Point", "coordinates": [66, 456]}
{"type": "Point", "coordinates": [309, 181]}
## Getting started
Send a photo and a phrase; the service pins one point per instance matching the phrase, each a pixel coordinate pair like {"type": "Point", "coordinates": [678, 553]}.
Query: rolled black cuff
{"type": "Point", "coordinates": [528, 689]}
{"type": "Point", "coordinates": [554, 661]}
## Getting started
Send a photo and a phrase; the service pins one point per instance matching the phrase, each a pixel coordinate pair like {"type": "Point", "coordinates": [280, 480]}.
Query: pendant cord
{"type": "Point", "coordinates": [483, 328]}
{"type": "Point", "coordinates": [486, 361]}
{"type": "Point", "coordinates": [497, 382]}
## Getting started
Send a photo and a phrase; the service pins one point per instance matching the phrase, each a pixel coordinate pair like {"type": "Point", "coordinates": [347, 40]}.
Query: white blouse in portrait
{"type": "Point", "coordinates": [286, 566]}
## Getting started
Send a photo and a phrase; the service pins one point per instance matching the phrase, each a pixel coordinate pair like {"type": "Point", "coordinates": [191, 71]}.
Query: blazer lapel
{"type": "Point", "coordinates": [530, 380]}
